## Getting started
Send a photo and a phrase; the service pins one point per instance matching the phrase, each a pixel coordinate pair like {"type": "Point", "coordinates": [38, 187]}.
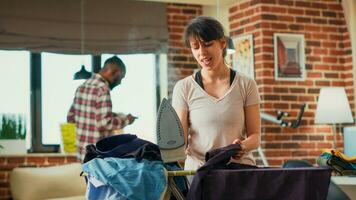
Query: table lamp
{"type": "Point", "coordinates": [333, 108]}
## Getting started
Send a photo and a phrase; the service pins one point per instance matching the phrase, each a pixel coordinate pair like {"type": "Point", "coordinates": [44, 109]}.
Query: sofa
{"type": "Point", "coordinates": [56, 183]}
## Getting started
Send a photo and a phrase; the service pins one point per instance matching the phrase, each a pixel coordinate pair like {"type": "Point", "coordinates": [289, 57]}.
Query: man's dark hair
{"type": "Point", "coordinates": [116, 60]}
{"type": "Point", "coordinates": [205, 28]}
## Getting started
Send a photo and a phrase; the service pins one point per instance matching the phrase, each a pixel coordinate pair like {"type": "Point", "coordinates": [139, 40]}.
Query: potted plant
{"type": "Point", "coordinates": [12, 134]}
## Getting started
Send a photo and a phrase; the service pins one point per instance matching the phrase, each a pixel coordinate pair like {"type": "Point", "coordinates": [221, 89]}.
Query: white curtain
{"type": "Point", "coordinates": [110, 26]}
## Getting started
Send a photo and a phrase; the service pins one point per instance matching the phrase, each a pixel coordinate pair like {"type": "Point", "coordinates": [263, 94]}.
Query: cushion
{"type": "Point", "coordinates": [32, 183]}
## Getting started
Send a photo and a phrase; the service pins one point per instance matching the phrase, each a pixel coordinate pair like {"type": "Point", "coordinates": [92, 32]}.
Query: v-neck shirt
{"type": "Point", "coordinates": [198, 78]}
{"type": "Point", "coordinates": [214, 122]}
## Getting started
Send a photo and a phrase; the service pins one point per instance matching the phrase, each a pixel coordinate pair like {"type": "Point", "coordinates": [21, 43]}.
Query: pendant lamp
{"type": "Point", "coordinates": [82, 73]}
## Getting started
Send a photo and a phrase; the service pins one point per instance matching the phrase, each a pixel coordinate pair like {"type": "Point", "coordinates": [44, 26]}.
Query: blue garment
{"type": "Point", "coordinates": [132, 179]}
{"type": "Point", "coordinates": [180, 181]}
{"type": "Point", "coordinates": [103, 192]}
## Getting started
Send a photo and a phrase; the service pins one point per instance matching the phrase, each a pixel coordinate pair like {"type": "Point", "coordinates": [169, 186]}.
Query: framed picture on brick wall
{"type": "Point", "coordinates": [289, 57]}
{"type": "Point", "coordinates": [243, 57]}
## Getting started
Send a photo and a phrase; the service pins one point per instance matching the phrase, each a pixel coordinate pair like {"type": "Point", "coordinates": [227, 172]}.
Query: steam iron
{"type": "Point", "coordinates": [170, 134]}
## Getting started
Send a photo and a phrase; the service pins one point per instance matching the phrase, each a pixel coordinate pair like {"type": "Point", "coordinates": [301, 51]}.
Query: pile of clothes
{"type": "Point", "coordinates": [124, 167]}
{"type": "Point", "coordinates": [337, 161]}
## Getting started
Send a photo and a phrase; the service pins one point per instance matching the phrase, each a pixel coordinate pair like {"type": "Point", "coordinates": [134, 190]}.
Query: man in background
{"type": "Point", "coordinates": [91, 110]}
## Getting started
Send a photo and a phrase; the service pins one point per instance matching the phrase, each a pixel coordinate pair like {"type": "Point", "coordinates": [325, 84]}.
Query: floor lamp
{"type": "Point", "coordinates": [333, 108]}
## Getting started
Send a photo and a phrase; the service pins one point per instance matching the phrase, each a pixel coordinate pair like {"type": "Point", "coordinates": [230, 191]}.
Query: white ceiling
{"type": "Point", "coordinates": [200, 2]}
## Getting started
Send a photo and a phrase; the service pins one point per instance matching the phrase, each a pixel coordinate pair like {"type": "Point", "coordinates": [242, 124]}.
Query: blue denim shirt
{"type": "Point", "coordinates": [132, 179]}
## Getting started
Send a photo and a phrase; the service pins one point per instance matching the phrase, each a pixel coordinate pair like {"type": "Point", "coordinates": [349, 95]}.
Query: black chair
{"type": "Point", "coordinates": [296, 163]}
{"type": "Point", "coordinates": [334, 191]}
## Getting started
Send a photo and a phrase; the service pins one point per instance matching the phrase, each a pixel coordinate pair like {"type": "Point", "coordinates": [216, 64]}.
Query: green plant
{"type": "Point", "coordinates": [13, 127]}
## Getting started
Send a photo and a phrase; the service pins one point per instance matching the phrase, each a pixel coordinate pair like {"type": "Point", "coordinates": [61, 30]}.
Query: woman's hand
{"type": "Point", "coordinates": [240, 153]}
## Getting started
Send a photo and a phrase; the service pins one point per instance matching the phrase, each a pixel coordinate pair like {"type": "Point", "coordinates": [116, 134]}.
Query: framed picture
{"type": "Point", "coordinates": [289, 58]}
{"type": "Point", "coordinates": [243, 57]}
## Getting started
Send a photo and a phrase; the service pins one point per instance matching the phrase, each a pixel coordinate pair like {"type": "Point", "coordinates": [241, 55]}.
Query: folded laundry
{"type": "Point", "coordinates": [338, 153]}
{"type": "Point", "coordinates": [337, 161]}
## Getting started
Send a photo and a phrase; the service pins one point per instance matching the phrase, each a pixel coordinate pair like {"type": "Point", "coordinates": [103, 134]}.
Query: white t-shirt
{"type": "Point", "coordinates": [214, 123]}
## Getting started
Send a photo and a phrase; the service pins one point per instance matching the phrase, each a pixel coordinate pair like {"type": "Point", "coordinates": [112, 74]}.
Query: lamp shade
{"type": "Point", "coordinates": [230, 46]}
{"type": "Point", "coordinates": [82, 74]}
{"type": "Point", "coordinates": [333, 107]}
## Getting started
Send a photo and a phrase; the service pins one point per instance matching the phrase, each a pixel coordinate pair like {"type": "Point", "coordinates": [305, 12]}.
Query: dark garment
{"type": "Point", "coordinates": [215, 159]}
{"type": "Point", "coordinates": [219, 180]}
{"type": "Point", "coordinates": [271, 184]}
{"type": "Point", "coordinates": [342, 166]}
{"type": "Point", "coordinates": [199, 79]}
{"type": "Point", "coordinates": [334, 192]}
{"type": "Point", "coordinates": [337, 163]}
{"type": "Point", "coordinates": [123, 146]}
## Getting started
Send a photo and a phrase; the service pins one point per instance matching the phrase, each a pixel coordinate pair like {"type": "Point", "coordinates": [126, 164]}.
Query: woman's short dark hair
{"type": "Point", "coordinates": [205, 28]}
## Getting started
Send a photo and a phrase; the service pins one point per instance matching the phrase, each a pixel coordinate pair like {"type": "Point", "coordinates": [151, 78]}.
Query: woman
{"type": "Point", "coordinates": [217, 106]}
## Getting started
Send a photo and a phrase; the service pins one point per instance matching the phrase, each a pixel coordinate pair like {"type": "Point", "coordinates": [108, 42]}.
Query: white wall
{"type": "Point", "coordinates": [350, 16]}
{"type": "Point", "coordinates": [223, 17]}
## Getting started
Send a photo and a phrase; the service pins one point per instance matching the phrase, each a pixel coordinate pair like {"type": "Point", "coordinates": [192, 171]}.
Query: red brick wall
{"type": "Point", "coordinates": [328, 63]}
{"type": "Point", "coordinates": [180, 61]}
{"type": "Point", "coordinates": [7, 163]}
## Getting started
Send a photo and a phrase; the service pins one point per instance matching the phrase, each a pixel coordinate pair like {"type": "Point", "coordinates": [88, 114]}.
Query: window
{"type": "Point", "coordinates": [50, 78]}
{"type": "Point", "coordinates": [15, 86]}
{"type": "Point", "coordinates": [137, 94]}
{"type": "Point", "coordinates": [58, 88]}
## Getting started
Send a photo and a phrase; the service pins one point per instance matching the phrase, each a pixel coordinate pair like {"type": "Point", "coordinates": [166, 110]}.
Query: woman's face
{"type": "Point", "coordinates": [208, 54]}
